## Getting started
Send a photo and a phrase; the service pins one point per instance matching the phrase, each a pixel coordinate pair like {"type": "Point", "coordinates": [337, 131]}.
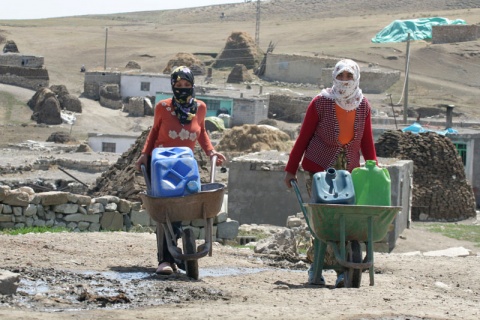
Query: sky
{"type": "Point", "coordinates": [39, 9]}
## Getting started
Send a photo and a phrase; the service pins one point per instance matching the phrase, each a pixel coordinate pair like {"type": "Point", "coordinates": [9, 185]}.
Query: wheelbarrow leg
{"type": "Point", "coordinates": [371, 270]}
{"type": "Point", "coordinates": [319, 249]}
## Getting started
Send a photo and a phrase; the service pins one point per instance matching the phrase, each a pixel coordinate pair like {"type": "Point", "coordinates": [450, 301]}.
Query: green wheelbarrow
{"type": "Point", "coordinates": [344, 228]}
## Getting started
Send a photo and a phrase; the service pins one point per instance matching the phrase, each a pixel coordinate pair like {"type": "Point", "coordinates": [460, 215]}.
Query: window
{"type": "Point", "coordinates": [108, 147]}
{"type": "Point", "coordinates": [462, 151]}
{"type": "Point", "coordinates": [145, 86]}
{"type": "Point", "coordinates": [213, 105]}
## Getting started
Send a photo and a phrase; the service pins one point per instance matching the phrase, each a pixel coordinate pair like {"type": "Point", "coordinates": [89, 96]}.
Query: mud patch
{"type": "Point", "coordinates": [50, 290]}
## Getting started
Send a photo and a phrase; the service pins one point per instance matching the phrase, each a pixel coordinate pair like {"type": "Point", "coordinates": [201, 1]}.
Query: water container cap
{"type": "Point", "coordinates": [370, 163]}
{"type": "Point", "coordinates": [192, 186]}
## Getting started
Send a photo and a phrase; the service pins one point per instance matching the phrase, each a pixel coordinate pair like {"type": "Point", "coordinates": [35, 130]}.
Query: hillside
{"type": "Point", "coordinates": [439, 74]}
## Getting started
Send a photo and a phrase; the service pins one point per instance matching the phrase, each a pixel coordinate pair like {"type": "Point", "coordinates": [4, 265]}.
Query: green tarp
{"type": "Point", "coordinates": [419, 29]}
{"type": "Point", "coordinates": [214, 124]}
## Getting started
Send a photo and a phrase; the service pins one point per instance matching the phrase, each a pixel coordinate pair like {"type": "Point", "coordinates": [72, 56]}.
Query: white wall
{"type": "Point", "coordinates": [130, 85]}
{"type": "Point", "coordinates": [122, 143]}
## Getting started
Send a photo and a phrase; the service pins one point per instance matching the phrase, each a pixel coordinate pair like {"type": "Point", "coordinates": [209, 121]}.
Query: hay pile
{"type": "Point", "coordinates": [254, 138]}
{"type": "Point", "coordinates": [441, 191]}
{"type": "Point", "coordinates": [239, 49]}
{"type": "Point", "coordinates": [185, 59]}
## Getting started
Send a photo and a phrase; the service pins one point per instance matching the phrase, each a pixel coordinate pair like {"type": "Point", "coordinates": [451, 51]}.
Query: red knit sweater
{"type": "Point", "coordinates": [167, 131]}
{"type": "Point", "coordinates": [318, 141]}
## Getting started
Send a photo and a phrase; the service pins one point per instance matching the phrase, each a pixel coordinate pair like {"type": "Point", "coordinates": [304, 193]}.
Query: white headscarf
{"type": "Point", "coordinates": [346, 94]}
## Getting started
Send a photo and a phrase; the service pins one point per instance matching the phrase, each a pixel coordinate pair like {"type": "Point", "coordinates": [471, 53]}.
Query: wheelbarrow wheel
{"type": "Point", "coordinates": [189, 247]}
{"type": "Point", "coordinates": [353, 277]}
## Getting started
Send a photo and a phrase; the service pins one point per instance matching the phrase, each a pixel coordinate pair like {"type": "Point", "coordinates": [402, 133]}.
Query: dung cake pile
{"type": "Point", "coordinates": [253, 138]}
{"type": "Point", "coordinates": [441, 191]}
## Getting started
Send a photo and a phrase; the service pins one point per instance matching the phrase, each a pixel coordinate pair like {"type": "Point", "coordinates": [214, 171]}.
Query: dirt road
{"type": "Point", "coordinates": [111, 276]}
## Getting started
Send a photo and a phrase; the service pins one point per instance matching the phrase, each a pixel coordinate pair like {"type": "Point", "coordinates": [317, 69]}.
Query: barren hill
{"type": "Point", "coordinates": [446, 73]}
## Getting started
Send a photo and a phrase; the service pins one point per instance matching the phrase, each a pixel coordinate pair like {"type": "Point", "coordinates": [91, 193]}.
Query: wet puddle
{"type": "Point", "coordinates": [58, 290]}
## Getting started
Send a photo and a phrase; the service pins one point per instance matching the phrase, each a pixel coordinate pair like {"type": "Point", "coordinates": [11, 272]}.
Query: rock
{"type": "Point", "coordinates": [228, 229]}
{"type": "Point", "coordinates": [9, 282]}
{"type": "Point", "coordinates": [282, 242]}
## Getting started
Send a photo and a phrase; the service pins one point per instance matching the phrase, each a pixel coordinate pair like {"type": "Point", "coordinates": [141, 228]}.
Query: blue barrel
{"type": "Point", "coordinates": [174, 172]}
{"type": "Point", "coordinates": [333, 187]}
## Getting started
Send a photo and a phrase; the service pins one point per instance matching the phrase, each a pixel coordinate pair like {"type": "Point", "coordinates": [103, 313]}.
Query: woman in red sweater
{"type": "Point", "coordinates": [336, 129]}
{"type": "Point", "coordinates": [178, 122]}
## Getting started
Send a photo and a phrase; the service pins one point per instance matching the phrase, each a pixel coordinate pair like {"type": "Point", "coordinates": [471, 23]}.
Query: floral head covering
{"type": "Point", "coordinates": [184, 98]}
{"type": "Point", "coordinates": [347, 94]}
{"type": "Point", "coordinates": [181, 72]}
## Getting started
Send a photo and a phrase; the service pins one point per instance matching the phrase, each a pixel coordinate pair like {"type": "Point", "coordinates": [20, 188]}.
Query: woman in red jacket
{"type": "Point", "coordinates": [178, 122]}
{"type": "Point", "coordinates": [337, 128]}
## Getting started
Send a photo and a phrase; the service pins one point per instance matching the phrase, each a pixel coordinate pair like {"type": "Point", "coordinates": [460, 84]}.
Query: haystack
{"type": "Point", "coordinates": [185, 59]}
{"type": "Point", "coordinates": [239, 49]}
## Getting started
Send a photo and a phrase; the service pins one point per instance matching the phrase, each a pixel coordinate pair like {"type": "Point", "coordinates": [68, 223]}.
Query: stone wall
{"type": "Point", "coordinates": [296, 68]}
{"type": "Point", "coordinates": [288, 108]}
{"type": "Point", "coordinates": [249, 111]}
{"type": "Point", "coordinates": [94, 80]}
{"type": "Point", "coordinates": [318, 71]}
{"type": "Point", "coordinates": [455, 33]}
{"type": "Point", "coordinates": [30, 78]}
{"type": "Point", "coordinates": [372, 80]}
{"type": "Point", "coordinates": [22, 207]}
{"type": "Point", "coordinates": [19, 60]}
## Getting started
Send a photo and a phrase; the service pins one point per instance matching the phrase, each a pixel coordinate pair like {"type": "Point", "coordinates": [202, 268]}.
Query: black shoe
{"type": "Point", "coordinates": [340, 283]}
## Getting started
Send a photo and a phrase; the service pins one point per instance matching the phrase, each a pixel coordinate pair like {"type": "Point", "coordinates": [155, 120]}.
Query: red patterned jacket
{"type": "Point", "coordinates": [318, 141]}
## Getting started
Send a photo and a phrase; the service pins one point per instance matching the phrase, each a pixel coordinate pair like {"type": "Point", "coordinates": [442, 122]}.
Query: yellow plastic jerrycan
{"type": "Point", "coordinates": [372, 185]}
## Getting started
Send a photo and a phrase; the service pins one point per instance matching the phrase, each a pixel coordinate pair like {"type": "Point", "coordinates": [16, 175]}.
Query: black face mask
{"type": "Point", "coordinates": [183, 95]}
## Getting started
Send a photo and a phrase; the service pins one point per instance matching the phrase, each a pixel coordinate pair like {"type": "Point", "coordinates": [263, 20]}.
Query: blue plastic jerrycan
{"type": "Point", "coordinates": [333, 187]}
{"type": "Point", "coordinates": [372, 185]}
{"type": "Point", "coordinates": [174, 172]}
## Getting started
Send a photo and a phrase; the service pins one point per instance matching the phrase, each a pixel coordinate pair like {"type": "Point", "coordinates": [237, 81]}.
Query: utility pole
{"type": "Point", "coordinates": [407, 70]}
{"type": "Point", "coordinates": [257, 26]}
{"type": "Point", "coordinates": [105, 59]}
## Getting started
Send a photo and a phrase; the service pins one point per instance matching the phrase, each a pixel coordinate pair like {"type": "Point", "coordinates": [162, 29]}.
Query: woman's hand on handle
{"type": "Point", "coordinates": [288, 178]}
{"type": "Point", "coordinates": [220, 157]}
{"type": "Point", "coordinates": [143, 159]}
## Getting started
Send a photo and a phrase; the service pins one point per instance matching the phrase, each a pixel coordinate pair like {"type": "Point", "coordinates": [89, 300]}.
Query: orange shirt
{"type": "Point", "coordinates": [167, 131]}
{"type": "Point", "coordinates": [346, 122]}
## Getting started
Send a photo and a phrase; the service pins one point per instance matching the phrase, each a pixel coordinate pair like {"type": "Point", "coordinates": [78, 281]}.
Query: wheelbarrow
{"type": "Point", "coordinates": [205, 204]}
{"type": "Point", "coordinates": [344, 228]}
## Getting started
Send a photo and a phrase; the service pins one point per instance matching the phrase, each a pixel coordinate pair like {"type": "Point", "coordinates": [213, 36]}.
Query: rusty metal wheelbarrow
{"type": "Point", "coordinates": [205, 205]}
{"type": "Point", "coordinates": [344, 227]}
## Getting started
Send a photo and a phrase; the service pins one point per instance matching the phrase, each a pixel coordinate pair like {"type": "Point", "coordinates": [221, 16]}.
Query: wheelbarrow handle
{"type": "Point", "coordinates": [147, 178]}
{"type": "Point", "coordinates": [213, 161]}
{"type": "Point", "coordinates": [294, 184]}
